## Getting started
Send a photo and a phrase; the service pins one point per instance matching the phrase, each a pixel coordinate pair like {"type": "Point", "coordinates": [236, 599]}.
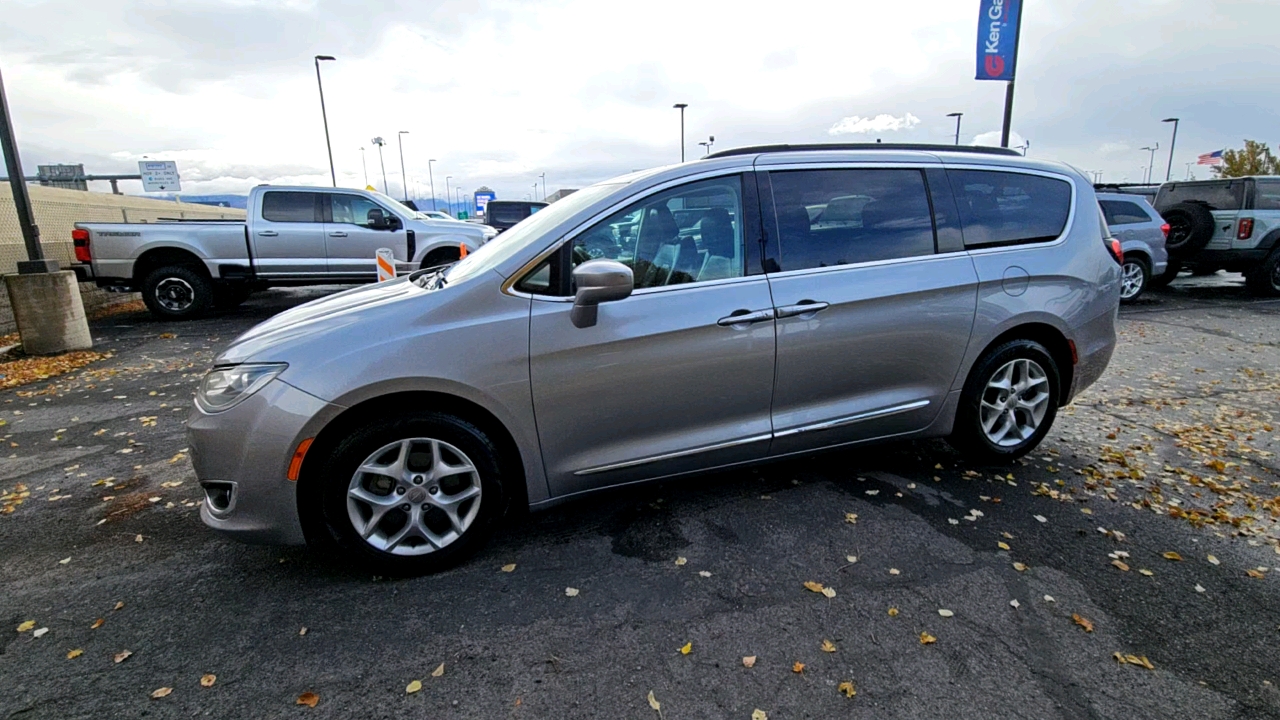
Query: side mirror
{"type": "Point", "coordinates": [377, 220]}
{"type": "Point", "coordinates": [598, 281]}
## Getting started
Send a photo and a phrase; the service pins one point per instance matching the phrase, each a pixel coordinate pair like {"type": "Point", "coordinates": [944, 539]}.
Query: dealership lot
{"type": "Point", "coordinates": [1146, 525]}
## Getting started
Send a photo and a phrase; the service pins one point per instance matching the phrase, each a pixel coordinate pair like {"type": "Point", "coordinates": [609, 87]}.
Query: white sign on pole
{"type": "Point", "coordinates": [386, 264]}
{"type": "Point", "coordinates": [159, 176]}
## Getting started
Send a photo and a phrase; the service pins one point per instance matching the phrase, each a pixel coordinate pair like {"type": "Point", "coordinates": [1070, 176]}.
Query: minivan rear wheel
{"type": "Point", "coordinates": [1008, 404]}
{"type": "Point", "coordinates": [413, 494]}
{"type": "Point", "coordinates": [1134, 276]}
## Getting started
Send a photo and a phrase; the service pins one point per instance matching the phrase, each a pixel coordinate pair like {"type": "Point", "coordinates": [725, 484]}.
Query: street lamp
{"type": "Point", "coordinates": [433, 183]}
{"type": "Point", "coordinates": [1169, 170]}
{"type": "Point", "coordinates": [707, 145]}
{"type": "Point", "coordinates": [535, 192]}
{"type": "Point", "coordinates": [1152, 161]}
{"type": "Point", "coordinates": [380, 142]}
{"type": "Point", "coordinates": [448, 196]}
{"type": "Point", "coordinates": [364, 165]}
{"type": "Point", "coordinates": [681, 107]}
{"type": "Point", "coordinates": [333, 175]}
{"type": "Point", "coordinates": [543, 176]}
{"type": "Point", "coordinates": [957, 116]}
{"type": "Point", "coordinates": [404, 179]}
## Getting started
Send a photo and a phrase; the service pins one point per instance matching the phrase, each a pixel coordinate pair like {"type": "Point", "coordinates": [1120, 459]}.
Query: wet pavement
{"type": "Point", "coordinates": [1145, 526]}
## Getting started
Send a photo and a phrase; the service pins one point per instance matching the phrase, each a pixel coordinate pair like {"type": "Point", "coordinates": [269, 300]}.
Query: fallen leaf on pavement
{"type": "Point", "coordinates": [1146, 572]}
{"type": "Point", "coordinates": [1041, 518]}
{"type": "Point", "coordinates": [1049, 598]}
{"type": "Point", "coordinates": [1134, 660]}
{"type": "Point", "coordinates": [1002, 545]}
{"type": "Point", "coordinates": [828, 646]}
{"type": "Point", "coordinates": [749, 661]}
{"type": "Point", "coordinates": [1020, 567]}
{"type": "Point", "coordinates": [653, 702]}
{"type": "Point", "coordinates": [161, 692]}
{"type": "Point", "coordinates": [119, 606]}
{"type": "Point", "coordinates": [814, 586]}
{"type": "Point", "coordinates": [686, 648]}
{"type": "Point", "coordinates": [1120, 564]}
{"type": "Point", "coordinates": [927, 639]}
{"type": "Point", "coordinates": [1171, 555]}
{"type": "Point", "coordinates": [1083, 622]}
{"type": "Point", "coordinates": [893, 612]}
{"type": "Point", "coordinates": [847, 688]}
{"type": "Point", "coordinates": [798, 667]}
{"type": "Point", "coordinates": [40, 632]}
{"type": "Point", "coordinates": [309, 699]}
{"type": "Point", "coordinates": [26, 626]}
{"type": "Point", "coordinates": [945, 613]}
{"type": "Point", "coordinates": [851, 518]}
{"type": "Point", "coordinates": [1212, 559]}
{"type": "Point", "coordinates": [829, 592]}
{"type": "Point", "coordinates": [894, 571]}
{"type": "Point", "coordinates": [681, 561]}
{"type": "Point", "coordinates": [758, 714]}
{"type": "Point", "coordinates": [509, 568]}
{"type": "Point", "coordinates": [851, 558]}
{"type": "Point", "coordinates": [123, 655]}
{"type": "Point", "coordinates": [75, 654]}
{"type": "Point", "coordinates": [1250, 573]}
{"type": "Point", "coordinates": [571, 592]}
{"type": "Point", "coordinates": [1015, 604]}
{"type": "Point", "coordinates": [438, 671]}
{"type": "Point", "coordinates": [704, 573]}
{"type": "Point", "coordinates": [208, 680]}
{"type": "Point", "coordinates": [413, 687]}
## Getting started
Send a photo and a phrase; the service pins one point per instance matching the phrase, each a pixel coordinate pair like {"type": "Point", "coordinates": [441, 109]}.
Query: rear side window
{"type": "Point", "coordinates": [507, 214]}
{"type": "Point", "coordinates": [291, 207]}
{"type": "Point", "coordinates": [839, 217]}
{"type": "Point", "coordinates": [1006, 208]}
{"type": "Point", "coordinates": [1266, 195]}
{"type": "Point", "coordinates": [1218, 195]}
{"type": "Point", "coordinates": [1119, 212]}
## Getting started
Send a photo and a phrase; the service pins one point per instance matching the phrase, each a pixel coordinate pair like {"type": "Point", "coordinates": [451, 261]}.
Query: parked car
{"type": "Point", "coordinates": [1229, 224]}
{"type": "Point", "coordinates": [504, 214]}
{"type": "Point", "coordinates": [292, 236]}
{"type": "Point", "coordinates": [974, 295]}
{"type": "Point", "coordinates": [1142, 234]}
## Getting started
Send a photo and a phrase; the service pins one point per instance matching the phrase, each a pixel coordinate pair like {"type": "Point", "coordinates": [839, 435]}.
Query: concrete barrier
{"type": "Point", "coordinates": [46, 307]}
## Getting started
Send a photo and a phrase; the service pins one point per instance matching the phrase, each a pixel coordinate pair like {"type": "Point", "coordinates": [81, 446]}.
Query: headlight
{"type": "Point", "coordinates": [222, 388]}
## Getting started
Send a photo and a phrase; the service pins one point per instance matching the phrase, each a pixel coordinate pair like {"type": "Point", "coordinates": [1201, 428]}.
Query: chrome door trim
{"type": "Point", "coordinates": [673, 455]}
{"type": "Point", "coordinates": [850, 419]}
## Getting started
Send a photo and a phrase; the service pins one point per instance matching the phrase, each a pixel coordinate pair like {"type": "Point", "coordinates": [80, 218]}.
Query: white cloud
{"type": "Point", "coordinates": [883, 122]}
{"type": "Point", "coordinates": [992, 139]}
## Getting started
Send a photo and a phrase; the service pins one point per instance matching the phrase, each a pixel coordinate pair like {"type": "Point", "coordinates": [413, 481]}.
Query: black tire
{"type": "Point", "coordinates": [226, 297]}
{"type": "Point", "coordinates": [1163, 279]}
{"type": "Point", "coordinates": [1264, 281]}
{"type": "Point", "coordinates": [1135, 264]}
{"type": "Point", "coordinates": [1191, 227]}
{"type": "Point", "coordinates": [441, 256]}
{"type": "Point", "coordinates": [334, 474]}
{"type": "Point", "coordinates": [177, 292]}
{"type": "Point", "coordinates": [967, 434]}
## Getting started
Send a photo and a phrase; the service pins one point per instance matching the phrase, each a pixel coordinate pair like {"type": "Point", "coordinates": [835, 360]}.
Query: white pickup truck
{"type": "Point", "coordinates": [291, 236]}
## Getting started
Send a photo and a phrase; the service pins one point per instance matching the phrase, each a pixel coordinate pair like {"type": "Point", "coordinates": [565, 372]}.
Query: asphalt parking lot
{"type": "Point", "coordinates": [1145, 528]}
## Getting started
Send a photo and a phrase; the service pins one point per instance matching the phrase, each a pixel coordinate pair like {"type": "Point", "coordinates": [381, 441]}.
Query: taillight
{"type": "Point", "coordinates": [1245, 230]}
{"type": "Point", "coordinates": [80, 239]}
{"type": "Point", "coordinates": [1113, 246]}
{"type": "Point", "coordinates": [1165, 229]}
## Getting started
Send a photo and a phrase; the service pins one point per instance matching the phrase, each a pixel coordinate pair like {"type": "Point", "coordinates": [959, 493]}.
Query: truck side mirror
{"type": "Point", "coordinates": [598, 281]}
{"type": "Point", "coordinates": [377, 220]}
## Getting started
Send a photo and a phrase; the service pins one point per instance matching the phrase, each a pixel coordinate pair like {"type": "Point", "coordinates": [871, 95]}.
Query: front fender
{"type": "Point", "coordinates": [435, 242]}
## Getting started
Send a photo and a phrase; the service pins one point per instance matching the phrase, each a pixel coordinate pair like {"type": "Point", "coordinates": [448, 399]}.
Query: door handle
{"type": "Point", "coordinates": [337, 234]}
{"type": "Point", "coordinates": [745, 317]}
{"type": "Point", "coordinates": [804, 307]}
{"type": "Point", "coordinates": [268, 233]}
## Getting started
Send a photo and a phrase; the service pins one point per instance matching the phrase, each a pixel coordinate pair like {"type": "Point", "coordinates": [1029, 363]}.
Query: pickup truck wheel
{"type": "Point", "coordinates": [441, 256]}
{"type": "Point", "coordinates": [177, 292]}
{"type": "Point", "coordinates": [1264, 281]}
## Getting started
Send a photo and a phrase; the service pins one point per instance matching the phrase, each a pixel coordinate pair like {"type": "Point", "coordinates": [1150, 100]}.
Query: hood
{"type": "Point", "coordinates": [267, 341]}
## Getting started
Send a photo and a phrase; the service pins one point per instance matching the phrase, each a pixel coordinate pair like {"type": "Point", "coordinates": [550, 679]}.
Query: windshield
{"type": "Point", "coordinates": [501, 248]}
{"type": "Point", "coordinates": [396, 206]}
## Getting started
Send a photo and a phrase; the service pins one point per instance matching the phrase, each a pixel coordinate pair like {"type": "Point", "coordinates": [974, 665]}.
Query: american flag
{"type": "Point", "coordinates": [1213, 158]}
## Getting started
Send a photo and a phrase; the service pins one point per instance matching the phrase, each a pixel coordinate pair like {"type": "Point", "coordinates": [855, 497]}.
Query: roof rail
{"type": "Point", "coordinates": [925, 147]}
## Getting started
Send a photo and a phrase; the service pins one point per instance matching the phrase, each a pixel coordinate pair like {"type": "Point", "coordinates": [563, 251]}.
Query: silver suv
{"type": "Point", "coordinates": [1141, 232]}
{"type": "Point", "coordinates": [759, 303]}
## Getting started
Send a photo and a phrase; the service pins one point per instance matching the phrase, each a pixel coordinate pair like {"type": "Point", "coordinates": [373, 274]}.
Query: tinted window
{"type": "Point", "coordinates": [1218, 195]}
{"type": "Point", "coordinates": [1005, 208]}
{"type": "Point", "coordinates": [1119, 212]}
{"type": "Point", "coordinates": [837, 217]}
{"type": "Point", "coordinates": [290, 207]}
{"type": "Point", "coordinates": [506, 214]}
{"type": "Point", "coordinates": [1266, 195]}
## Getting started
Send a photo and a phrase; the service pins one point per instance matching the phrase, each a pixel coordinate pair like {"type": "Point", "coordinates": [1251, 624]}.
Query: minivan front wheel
{"type": "Point", "coordinates": [1134, 276]}
{"type": "Point", "coordinates": [414, 494]}
{"type": "Point", "coordinates": [1008, 404]}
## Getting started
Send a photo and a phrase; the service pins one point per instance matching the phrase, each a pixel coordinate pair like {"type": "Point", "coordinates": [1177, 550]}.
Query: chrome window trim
{"type": "Point", "coordinates": [508, 286]}
{"type": "Point", "coordinates": [855, 418]}
{"type": "Point", "coordinates": [673, 455]}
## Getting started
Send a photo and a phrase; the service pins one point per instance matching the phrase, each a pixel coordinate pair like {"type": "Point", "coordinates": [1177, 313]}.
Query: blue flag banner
{"type": "Point", "coordinates": [998, 38]}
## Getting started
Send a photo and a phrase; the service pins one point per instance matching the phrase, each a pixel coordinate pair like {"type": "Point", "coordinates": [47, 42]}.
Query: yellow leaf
{"type": "Point", "coordinates": [1120, 564]}
{"type": "Point", "coordinates": [1146, 572]}
{"type": "Point", "coordinates": [438, 671]}
{"type": "Point", "coordinates": [75, 654]}
{"type": "Point", "coordinates": [119, 606]}
{"type": "Point", "coordinates": [894, 571]}
{"type": "Point", "coordinates": [208, 680]}
{"type": "Point", "coordinates": [1212, 559]}
{"type": "Point", "coordinates": [413, 687]}
{"type": "Point", "coordinates": [161, 692]}
{"type": "Point", "coordinates": [749, 661]}
{"type": "Point", "coordinates": [1019, 567]}
{"type": "Point", "coordinates": [309, 699]}
{"type": "Point", "coordinates": [686, 649]}
{"type": "Point", "coordinates": [893, 612]}
{"type": "Point", "coordinates": [509, 568]}
{"type": "Point", "coordinates": [814, 586]}
{"type": "Point", "coordinates": [945, 613]}
{"type": "Point", "coordinates": [1002, 545]}
{"type": "Point", "coordinates": [571, 592]}
{"type": "Point", "coordinates": [1171, 555]}
{"type": "Point", "coordinates": [1083, 622]}
{"type": "Point", "coordinates": [851, 518]}
{"type": "Point", "coordinates": [798, 667]}
{"type": "Point", "coordinates": [1254, 574]}
{"type": "Point", "coordinates": [829, 592]}
{"type": "Point", "coordinates": [828, 646]}
{"type": "Point", "coordinates": [653, 702]}
{"type": "Point", "coordinates": [847, 688]}
{"type": "Point", "coordinates": [26, 626]}
{"type": "Point", "coordinates": [927, 639]}
{"type": "Point", "coordinates": [759, 715]}
{"type": "Point", "coordinates": [681, 561]}
{"type": "Point", "coordinates": [122, 655]}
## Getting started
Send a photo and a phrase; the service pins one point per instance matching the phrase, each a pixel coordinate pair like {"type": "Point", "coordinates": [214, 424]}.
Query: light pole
{"type": "Point", "coordinates": [333, 175]}
{"type": "Point", "coordinates": [448, 195]}
{"type": "Point", "coordinates": [462, 201]}
{"type": "Point", "coordinates": [543, 176]}
{"type": "Point", "coordinates": [404, 179]}
{"type": "Point", "coordinates": [1152, 161]}
{"type": "Point", "coordinates": [380, 142]}
{"type": "Point", "coordinates": [535, 192]}
{"type": "Point", "coordinates": [1189, 175]}
{"type": "Point", "coordinates": [433, 183]}
{"type": "Point", "coordinates": [1169, 171]}
{"type": "Point", "coordinates": [364, 165]}
{"type": "Point", "coordinates": [957, 116]}
{"type": "Point", "coordinates": [681, 107]}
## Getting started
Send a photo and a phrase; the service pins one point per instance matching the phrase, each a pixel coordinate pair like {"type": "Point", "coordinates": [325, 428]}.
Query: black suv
{"type": "Point", "coordinates": [502, 215]}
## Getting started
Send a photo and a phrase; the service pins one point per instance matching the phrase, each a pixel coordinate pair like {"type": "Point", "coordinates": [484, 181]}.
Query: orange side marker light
{"type": "Point", "coordinates": [295, 465]}
{"type": "Point", "coordinates": [462, 251]}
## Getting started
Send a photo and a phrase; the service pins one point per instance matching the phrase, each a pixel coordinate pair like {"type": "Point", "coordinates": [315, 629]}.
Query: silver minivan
{"type": "Point", "coordinates": [758, 303]}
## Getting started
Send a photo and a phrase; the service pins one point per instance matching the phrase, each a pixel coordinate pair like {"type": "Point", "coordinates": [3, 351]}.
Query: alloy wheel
{"type": "Point", "coordinates": [1132, 276]}
{"type": "Point", "coordinates": [414, 496]}
{"type": "Point", "coordinates": [1014, 402]}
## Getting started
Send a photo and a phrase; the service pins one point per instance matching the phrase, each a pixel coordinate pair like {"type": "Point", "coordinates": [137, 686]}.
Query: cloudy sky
{"type": "Point", "coordinates": [581, 90]}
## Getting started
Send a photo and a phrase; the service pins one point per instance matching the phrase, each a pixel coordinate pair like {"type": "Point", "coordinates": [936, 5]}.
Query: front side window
{"type": "Point", "coordinates": [290, 207]}
{"type": "Point", "coordinates": [838, 217]}
{"type": "Point", "coordinates": [1006, 208]}
{"type": "Point", "coordinates": [1119, 212]}
{"type": "Point", "coordinates": [354, 209]}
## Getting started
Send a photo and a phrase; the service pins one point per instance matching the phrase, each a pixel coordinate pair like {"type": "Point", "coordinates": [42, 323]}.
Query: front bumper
{"type": "Point", "coordinates": [241, 457]}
